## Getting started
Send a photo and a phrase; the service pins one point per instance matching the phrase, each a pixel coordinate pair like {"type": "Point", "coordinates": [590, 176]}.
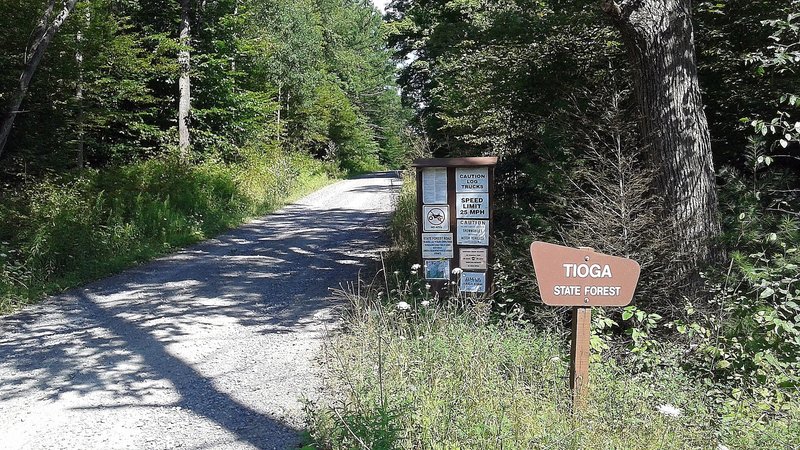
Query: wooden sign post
{"type": "Point", "coordinates": [455, 198]}
{"type": "Point", "coordinates": [582, 278]}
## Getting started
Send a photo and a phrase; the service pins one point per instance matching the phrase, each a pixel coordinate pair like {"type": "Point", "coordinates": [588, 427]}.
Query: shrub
{"type": "Point", "coordinates": [65, 230]}
{"type": "Point", "coordinates": [416, 372]}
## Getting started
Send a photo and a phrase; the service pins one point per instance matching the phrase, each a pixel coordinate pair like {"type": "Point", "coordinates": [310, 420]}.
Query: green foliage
{"type": "Point", "coordinates": [403, 227]}
{"type": "Point", "coordinates": [65, 230]}
{"type": "Point", "coordinates": [277, 86]}
{"type": "Point", "coordinates": [266, 70]}
{"type": "Point", "coordinates": [414, 371]}
{"type": "Point", "coordinates": [736, 42]}
{"type": "Point", "coordinates": [417, 372]}
{"type": "Point", "coordinates": [749, 337]}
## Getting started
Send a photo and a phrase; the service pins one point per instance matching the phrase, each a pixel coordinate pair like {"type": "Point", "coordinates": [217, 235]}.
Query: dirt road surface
{"type": "Point", "coordinates": [212, 347]}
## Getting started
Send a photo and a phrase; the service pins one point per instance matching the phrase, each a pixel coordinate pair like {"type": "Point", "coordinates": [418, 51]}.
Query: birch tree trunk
{"type": "Point", "coordinates": [42, 36]}
{"type": "Point", "coordinates": [79, 159]}
{"type": "Point", "coordinates": [659, 38]}
{"type": "Point", "coordinates": [184, 83]}
{"type": "Point", "coordinates": [280, 107]}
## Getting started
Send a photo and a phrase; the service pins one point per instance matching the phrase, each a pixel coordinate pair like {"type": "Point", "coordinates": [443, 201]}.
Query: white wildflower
{"type": "Point", "coordinates": [669, 410]}
{"type": "Point", "coordinates": [457, 271]}
{"type": "Point", "coordinates": [722, 447]}
{"type": "Point", "coordinates": [425, 303]}
{"type": "Point", "coordinates": [415, 267]}
{"type": "Point", "coordinates": [427, 286]}
{"type": "Point", "coordinates": [403, 306]}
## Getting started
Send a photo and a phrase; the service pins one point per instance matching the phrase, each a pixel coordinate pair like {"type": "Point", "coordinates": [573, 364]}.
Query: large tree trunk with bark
{"type": "Point", "coordinates": [659, 37]}
{"type": "Point", "coordinates": [184, 83]}
{"type": "Point", "coordinates": [42, 36]}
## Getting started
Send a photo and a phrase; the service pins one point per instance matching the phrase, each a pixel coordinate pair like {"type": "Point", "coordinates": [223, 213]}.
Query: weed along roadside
{"type": "Point", "coordinates": [582, 278]}
{"type": "Point", "coordinates": [418, 367]}
{"type": "Point", "coordinates": [84, 226]}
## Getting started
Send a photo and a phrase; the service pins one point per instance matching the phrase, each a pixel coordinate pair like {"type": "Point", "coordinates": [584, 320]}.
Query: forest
{"type": "Point", "coordinates": [147, 125]}
{"type": "Point", "coordinates": [663, 131]}
{"type": "Point", "coordinates": [666, 131]}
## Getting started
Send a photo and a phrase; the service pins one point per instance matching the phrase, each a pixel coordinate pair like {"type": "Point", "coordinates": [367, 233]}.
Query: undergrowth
{"type": "Point", "coordinates": [61, 231]}
{"type": "Point", "coordinates": [411, 370]}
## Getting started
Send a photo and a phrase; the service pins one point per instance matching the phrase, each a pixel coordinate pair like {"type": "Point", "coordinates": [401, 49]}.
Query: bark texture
{"type": "Point", "coordinates": [184, 82]}
{"type": "Point", "coordinates": [659, 37]}
{"type": "Point", "coordinates": [42, 36]}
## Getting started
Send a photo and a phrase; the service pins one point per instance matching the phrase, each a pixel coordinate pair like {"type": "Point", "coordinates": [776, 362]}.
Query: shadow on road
{"type": "Point", "coordinates": [171, 333]}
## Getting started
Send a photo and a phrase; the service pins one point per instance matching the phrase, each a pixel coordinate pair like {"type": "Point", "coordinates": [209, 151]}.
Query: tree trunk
{"type": "Point", "coordinates": [184, 83]}
{"type": "Point", "coordinates": [43, 35]}
{"type": "Point", "coordinates": [280, 107]}
{"type": "Point", "coordinates": [235, 36]}
{"type": "Point", "coordinates": [659, 37]}
{"type": "Point", "coordinates": [79, 158]}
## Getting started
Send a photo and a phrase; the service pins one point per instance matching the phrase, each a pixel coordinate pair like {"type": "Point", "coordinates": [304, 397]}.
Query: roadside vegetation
{"type": "Point", "coordinates": [411, 370]}
{"type": "Point", "coordinates": [147, 126]}
{"type": "Point", "coordinates": [565, 93]}
{"type": "Point", "coordinates": [76, 228]}
{"type": "Point", "coordinates": [129, 128]}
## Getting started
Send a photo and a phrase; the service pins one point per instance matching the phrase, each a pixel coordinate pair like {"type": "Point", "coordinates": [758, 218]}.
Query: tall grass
{"type": "Point", "coordinates": [62, 231]}
{"type": "Point", "coordinates": [439, 374]}
{"type": "Point", "coordinates": [403, 227]}
{"type": "Point", "coordinates": [412, 371]}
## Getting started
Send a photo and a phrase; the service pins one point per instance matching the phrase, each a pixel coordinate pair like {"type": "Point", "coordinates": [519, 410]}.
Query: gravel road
{"type": "Point", "coordinates": [212, 347]}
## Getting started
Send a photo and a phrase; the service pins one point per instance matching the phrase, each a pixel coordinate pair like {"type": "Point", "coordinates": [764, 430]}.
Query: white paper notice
{"type": "Point", "coordinates": [473, 282]}
{"type": "Point", "coordinates": [473, 232]}
{"type": "Point", "coordinates": [472, 179]}
{"type": "Point", "coordinates": [436, 218]}
{"type": "Point", "coordinates": [473, 258]}
{"type": "Point", "coordinates": [437, 245]}
{"type": "Point", "coordinates": [472, 206]}
{"type": "Point", "coordinates": [434, 185]}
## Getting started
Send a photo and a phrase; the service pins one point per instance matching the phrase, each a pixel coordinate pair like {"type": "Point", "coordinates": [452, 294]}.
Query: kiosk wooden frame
{"type": "Point", "coordinates": [452, 165]}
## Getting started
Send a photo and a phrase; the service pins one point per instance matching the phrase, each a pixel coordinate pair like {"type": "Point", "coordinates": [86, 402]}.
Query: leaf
{"type": "Point", "coordinates": [723, 364]}
{"type": "Point", "coordinates": [627, 314]}
{"type": "Point", "coordinates": [784, 143]}
{"type": "Point", "coordinates": [768, 292]}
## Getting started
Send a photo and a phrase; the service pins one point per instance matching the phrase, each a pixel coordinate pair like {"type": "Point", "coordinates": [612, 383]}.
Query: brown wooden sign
{"type": "Point", "coordinates": [582, 277]}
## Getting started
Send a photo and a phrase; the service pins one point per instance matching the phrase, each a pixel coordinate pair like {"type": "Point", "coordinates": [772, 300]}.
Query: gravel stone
{"type": "Point", "coordinates": [212, 347]}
